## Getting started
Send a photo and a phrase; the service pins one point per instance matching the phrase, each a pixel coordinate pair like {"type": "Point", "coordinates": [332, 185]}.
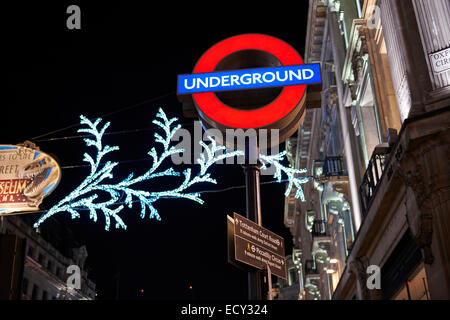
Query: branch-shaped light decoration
{"type": "Point", "coordinates": [82, 198]}
{"type": "Point", "coordinates": [291, 173]}
{"type": "Point", "coordinates": [275, 160]}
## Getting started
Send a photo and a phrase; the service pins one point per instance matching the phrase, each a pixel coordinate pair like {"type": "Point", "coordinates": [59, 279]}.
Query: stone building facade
{"type": "Point", "coordinates": [34, 269]}
{"type": "Point", "coordinates": [377, 150]}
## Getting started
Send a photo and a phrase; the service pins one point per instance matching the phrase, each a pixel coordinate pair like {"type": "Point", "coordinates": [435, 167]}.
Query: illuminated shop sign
{"type": "Point", "coordinates": [27, 175]}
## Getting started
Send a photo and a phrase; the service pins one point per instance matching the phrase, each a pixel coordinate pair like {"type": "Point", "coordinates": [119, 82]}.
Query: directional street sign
{"type": "Point", "coordinates": [258, 247]}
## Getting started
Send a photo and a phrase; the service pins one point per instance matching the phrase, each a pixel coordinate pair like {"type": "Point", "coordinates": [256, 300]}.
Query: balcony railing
{"type": "Point", "coordinates": [319, 228]}
{"type": "Point", "coordinates": [372, 177]}
{"type": "Point", "coordinates": [334, 166]}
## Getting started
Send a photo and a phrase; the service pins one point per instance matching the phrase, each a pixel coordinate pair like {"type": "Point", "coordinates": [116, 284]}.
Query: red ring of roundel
{"type": "Point", "coordinates": [217, 111]}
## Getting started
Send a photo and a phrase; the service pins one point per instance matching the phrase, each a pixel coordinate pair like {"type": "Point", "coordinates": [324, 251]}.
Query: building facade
{"type": "Point", "coordinates": [36, 270]}
{"type": "Point", "coordinates": [377, 150]}
{"type": "Point", "coordinates": [289, 289]}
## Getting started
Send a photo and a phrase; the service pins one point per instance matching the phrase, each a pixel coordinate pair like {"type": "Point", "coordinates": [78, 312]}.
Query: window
{"type": "Point", "coordinates": [397, 271]}
{"type": "Point", "coordinates": [385, 101]}
{"type": "Point", "coordinates": [415, 287]}
{"type": "Point", "coordinates": [34, 292]}
{"type": "Point", "coordinates": [291, 278]}
{"type": "Point", "coordinates": [59, 272]}
{"type": "Point", "coordinates": [41, 258]}
{"type": "Point", "coordinates": [30, 252]}
{"type": "Point", "coordinates": [25, 286]}
{"type": "Point", "coordinates": [371, 135]}
{"type": "Point", "coordinates": [50, 265]}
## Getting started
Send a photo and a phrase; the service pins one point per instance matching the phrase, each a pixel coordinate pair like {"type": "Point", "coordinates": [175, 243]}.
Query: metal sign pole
{"type": "Point", "coordinates": [269, 279]}
{"type": "Point", "coordinates": [252, 174]}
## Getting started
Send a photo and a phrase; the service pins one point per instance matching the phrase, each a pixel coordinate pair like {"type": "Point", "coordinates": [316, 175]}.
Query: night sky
{"type": "Point", "coordinates": [122, 56]}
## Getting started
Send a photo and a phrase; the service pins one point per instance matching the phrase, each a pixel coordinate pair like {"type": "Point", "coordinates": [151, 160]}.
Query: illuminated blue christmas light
{"type": "Point", "coordinates": [275, 160]}
{"type": "Point", "coordinates": [82, 198]}
{"type": "Point", "coordinates": [79, 200]}
{"type": "Point", "coordinates": [289, 172]}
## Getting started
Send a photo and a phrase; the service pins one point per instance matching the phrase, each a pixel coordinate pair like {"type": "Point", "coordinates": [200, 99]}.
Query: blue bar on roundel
{"type": "Point", "coordinates": [249, 79]}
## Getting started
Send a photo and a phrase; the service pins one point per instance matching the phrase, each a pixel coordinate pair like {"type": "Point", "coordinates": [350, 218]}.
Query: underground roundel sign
{"type": "Point", "coordinates": [250, 81]}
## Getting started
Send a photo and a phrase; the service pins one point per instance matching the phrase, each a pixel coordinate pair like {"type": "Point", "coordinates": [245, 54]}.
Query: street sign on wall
{"type": "Point", "coordinates": [440, 61]}
{"type": "Point", "coordinates": [27, 175]}
{"type": "Point", "coordinates": [258, 247]}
